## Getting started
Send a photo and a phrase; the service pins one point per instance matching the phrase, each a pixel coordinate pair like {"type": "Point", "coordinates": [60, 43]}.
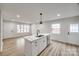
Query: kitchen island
{"type": "Point", "coordinates": [34, 45]}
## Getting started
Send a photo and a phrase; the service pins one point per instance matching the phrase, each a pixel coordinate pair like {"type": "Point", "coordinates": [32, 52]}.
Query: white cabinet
{"type": "Point", "coordinates": [33, 48]}
{"type": "Point", "coordinates": [42, 43]}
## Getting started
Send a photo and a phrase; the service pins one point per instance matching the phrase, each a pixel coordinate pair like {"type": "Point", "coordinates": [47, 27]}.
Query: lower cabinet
{"type": "Point", "coordinates": [42, 44]}
{"type": "Point", "coordinates": [35, 47]}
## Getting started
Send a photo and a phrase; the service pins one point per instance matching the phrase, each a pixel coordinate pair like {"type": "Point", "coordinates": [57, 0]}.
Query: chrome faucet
{"type": "Point", "coordinates": [37, 32]}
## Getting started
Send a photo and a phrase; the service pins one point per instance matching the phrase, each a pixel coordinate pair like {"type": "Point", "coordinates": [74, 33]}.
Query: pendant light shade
{"type": "Point", "coordinates": [40, 13]}
{"type": "Point", "coordinates": [41, 22]}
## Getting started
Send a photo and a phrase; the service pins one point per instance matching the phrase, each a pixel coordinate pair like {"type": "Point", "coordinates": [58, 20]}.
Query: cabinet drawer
{"type": "Point", "coordinates": [35, 43]}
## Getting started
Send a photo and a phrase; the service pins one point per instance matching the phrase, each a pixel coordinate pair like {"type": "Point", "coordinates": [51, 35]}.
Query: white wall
{"type": "Point", "coordinates": [42, 27]}
{"type": "Point", "coordinates": [1, 35]}
{"type": "Point", "coordinates": [65, 22]}
{"type": "Point", "coordinates": [10, 30]}
{"type": "Point", "coordinates": [46, 28]}
{"type": "Point", "coordinates": [0, 31]}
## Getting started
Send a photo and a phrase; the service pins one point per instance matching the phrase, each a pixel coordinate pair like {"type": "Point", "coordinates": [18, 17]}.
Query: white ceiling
{"type": "Point", "coordinates": [29, 12]}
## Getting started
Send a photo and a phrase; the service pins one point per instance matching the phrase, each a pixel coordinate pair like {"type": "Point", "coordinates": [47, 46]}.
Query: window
{"type": "Point", "coordinates": [56, 28]}
{"type": "Point", "coordinates": [18, 28]}
{"type": "Point", "coordinates": [27, 28]}
{"type": "Point", "coordinates": [23, 28]}
{"type": "Point", "coordinates": [73, 27]}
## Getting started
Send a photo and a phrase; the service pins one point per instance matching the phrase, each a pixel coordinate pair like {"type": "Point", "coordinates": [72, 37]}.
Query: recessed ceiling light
{"type": "Point", "coordinates": [58, 14]}
{"type": "Point", "coordinates": [18, 16]}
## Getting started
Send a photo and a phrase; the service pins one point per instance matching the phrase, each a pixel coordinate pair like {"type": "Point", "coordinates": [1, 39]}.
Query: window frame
{"type": "Point", "coordinates": [74, 28]}
{"type": "Point", "coordinates": [23, 28]}
{"type": "Point", "coordinates": [56, 28]}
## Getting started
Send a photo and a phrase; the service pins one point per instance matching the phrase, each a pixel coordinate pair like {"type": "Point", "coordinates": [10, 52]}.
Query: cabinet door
{"type": "Point", "coordinates": [73, 35]}
{"type": "Point", "coordinates": [40, 42]}
{"type": "Point", "coordinates": [35, 48]}
{"type": "Point", "coordinates": [38, 46]}
{"type": "Point", "coordinates": [44, 42]}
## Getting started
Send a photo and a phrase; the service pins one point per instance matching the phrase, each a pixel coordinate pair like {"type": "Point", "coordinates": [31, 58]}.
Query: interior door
{"type": "Point", "coordinates": [64, 31]}
{"type": "Point", "coordinates": [73, 34]}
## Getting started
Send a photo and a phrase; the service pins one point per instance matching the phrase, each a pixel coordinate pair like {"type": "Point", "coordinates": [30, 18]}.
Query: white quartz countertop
{"type": "Point", "coordinates": [33, 37]}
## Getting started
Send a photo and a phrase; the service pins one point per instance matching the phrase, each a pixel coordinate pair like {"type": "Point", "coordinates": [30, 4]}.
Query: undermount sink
{"type": "Point", "coordinates": [39, 35]}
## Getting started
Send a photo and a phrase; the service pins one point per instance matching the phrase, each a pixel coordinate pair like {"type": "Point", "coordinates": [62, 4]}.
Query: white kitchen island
{"type": "Point", "coordinates": [35, 45]}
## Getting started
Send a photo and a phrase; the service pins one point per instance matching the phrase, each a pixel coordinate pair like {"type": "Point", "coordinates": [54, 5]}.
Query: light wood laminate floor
{"type": "Point", "coordinates": [15, 47]}
{"type": "Point", "coordinates": [60, 49]}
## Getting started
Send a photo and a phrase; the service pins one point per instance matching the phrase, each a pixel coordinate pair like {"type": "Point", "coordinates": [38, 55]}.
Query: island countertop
{"type": "Point", "coordinates": [33, 37]}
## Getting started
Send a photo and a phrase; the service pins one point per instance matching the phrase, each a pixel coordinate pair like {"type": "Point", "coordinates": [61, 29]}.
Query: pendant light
{"type": "Point", "coordinates": [41, 22]}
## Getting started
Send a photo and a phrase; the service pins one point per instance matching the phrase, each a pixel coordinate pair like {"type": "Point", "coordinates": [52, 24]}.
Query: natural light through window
{"type": "Point", "coordinates": [27, 28]}
{"type": "Point", "coordinates": [73, 27]}
{"type": "Point", "coordinates": [56, 28]}
{"type": "Point", "coordinates": [23, 28]}
{"type": "Point", "coordinates": [18, 28]}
